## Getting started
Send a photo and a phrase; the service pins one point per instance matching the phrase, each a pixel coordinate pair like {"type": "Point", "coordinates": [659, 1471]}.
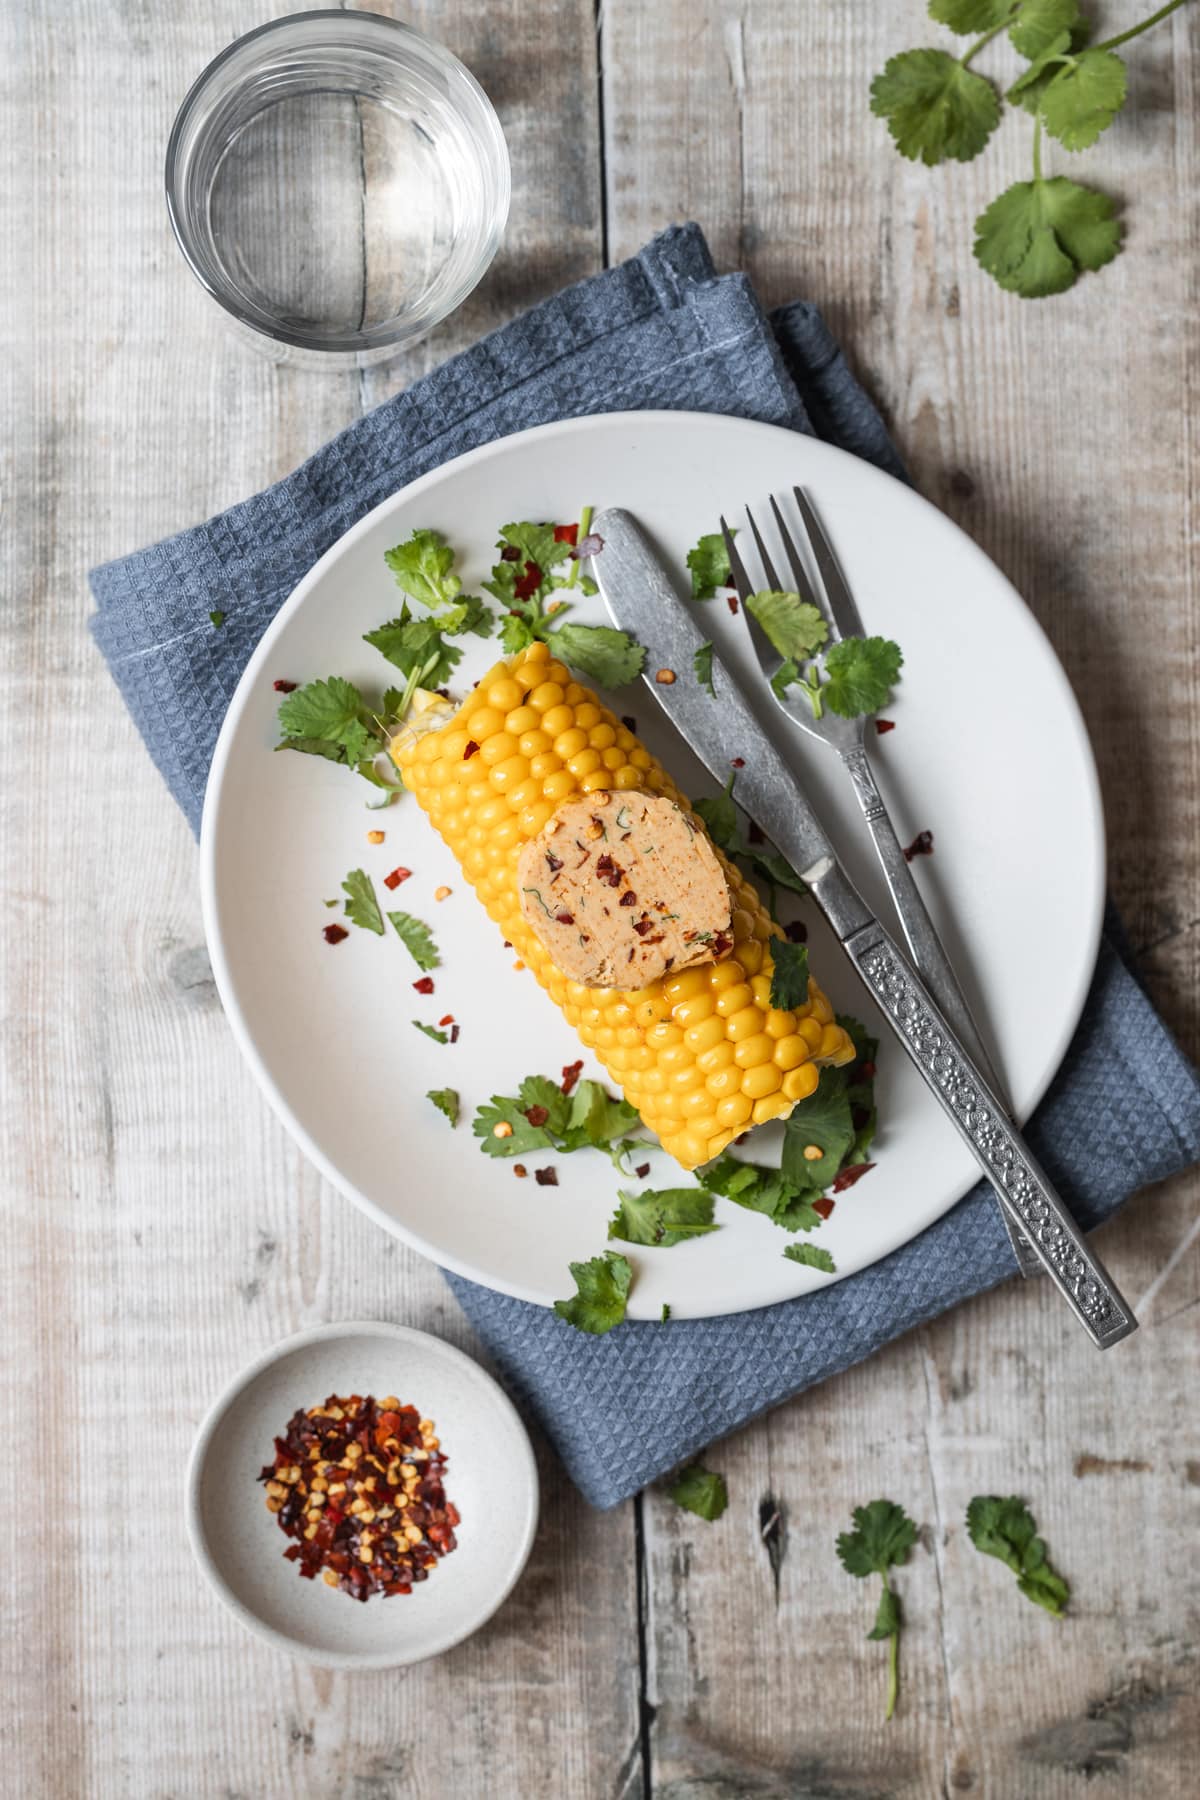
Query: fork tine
{"type": "Point", "coordinates": [841, 601]}
{"type": "Point", "coordinates": [768, 565]}
{"type": "Point", "coordinates": [799, 573]}
{"type": "Point", "coordinates": [737, 567]}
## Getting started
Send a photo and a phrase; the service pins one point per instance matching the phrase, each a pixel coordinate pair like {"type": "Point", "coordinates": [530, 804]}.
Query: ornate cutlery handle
{"type": "Point", "coordinates": [927, 952]}
{"type": "Point", "coordinates": [983, 1124]}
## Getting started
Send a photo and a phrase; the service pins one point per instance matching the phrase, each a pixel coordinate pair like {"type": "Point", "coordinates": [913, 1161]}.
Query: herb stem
{"type": "Point", "coordinates": [893, 1686]}
{"type": "Point", "coordinates": [1123, 37]}
{"type": "Point", "coordinates": [585, 525]}
{"type": "Point", "coordinates": [965, 61]}
{"type": "Point", "coordinates": [1037, 148]}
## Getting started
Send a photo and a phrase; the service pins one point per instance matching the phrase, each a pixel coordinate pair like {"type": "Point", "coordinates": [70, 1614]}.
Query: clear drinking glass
{"type": "Point", "coordinates": [338, 183]}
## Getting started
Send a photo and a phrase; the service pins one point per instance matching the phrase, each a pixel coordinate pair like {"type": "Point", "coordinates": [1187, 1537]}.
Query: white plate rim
{"type": "Point", "coordinates": [1088, 928]}
{"type": "Point", "coordinates": [302, 1340]}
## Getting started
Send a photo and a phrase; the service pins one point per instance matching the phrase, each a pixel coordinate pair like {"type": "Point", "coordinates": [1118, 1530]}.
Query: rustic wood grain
{"type": "Point", "coordinates": [1060, 435]}
{"type": "Point", "coordinates": [159, 1228]}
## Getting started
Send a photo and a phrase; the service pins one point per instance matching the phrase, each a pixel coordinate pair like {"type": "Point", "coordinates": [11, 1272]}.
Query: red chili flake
{"type": "Point", "coordinates": [333, 934]}
{"type": "Point", "coordinates": [554, 864]}
{"type": "Point", "coordinates": [454, 1034]}
{"type": "Point", "coordinates": [448, 1020]}
{"type": "Point", "coordinates": [396, 877]}
{"type": "Point", "coordinates": [643, 925]}
{"type": "Point", "coordinates": [284, 687]}
{"type": "Point", "coordinates": [510, 553]}
{"type": "Point", "coordinates": [570, 1075]}
{"type": "Point", "coordinates": [565, 918]}
{"type": "Point", "coordinates": [824, 1206]}
{"type": "Point", "coordinates": [721, 945]}
{"type": "Point", "coordinates": [796, 931]}
{"type": "Point", "coordinates": [642, 1170]}
{"type": "Point", "coordinates": [471, 750]}
{"type": "Point", "coordinates": [628, 898]}
{"type": "Point", "coordinates": [520, 1171]}
{"type": "Point", "coordinates": [566, 534]}
{"type": "Point", "coordinates": [882, 725]}
{"type": "Point", "coordinates": [527, 585]}
{"type": "Point", "coordinates": [545, 1177]}
{"type": "Point", "coordinates": [425, 985]}
{"type": "Point", "coordinates": [537, 1116]}
{"type": "Point", "coordinates": [849, 1176]}
{"type": "Point", "coordinates": [731, 602]}
{"type": "Point", "coordinates": [737, 762]}
{"type": "Point", "coordinates": [922, 845]}
{"type": "Point", "coordinates": [629, 722]}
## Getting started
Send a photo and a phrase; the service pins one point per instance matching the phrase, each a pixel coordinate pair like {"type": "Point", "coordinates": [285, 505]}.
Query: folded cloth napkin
{"type": "Point", "coordinates": [662, 330]}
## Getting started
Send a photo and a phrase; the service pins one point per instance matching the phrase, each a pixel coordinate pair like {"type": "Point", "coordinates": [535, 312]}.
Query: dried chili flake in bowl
{"type": "Point", "coordinates": [357, 1483]}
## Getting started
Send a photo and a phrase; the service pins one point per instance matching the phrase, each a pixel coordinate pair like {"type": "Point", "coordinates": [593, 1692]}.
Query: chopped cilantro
{"type": "Point", "coordinates": [416, 937]}
{"type": "Point", "coordinates": [424, 567]}
{"type": "Point", "coordinates": [525, 579]}
{"type": "Point", "coordinates": [602, 1286]}
{"type": "Point", "coordinates": [665, 1314]}
{"type": "Point", "coordinates": [882, 1537]}
{"type": "Point", "coordinates": [861, 673]}
{"type": "Point", "coordinates": [330, 719]}
{"type": "Point", "coordinates": [789, 975]}
{"type": "Point", "coordinates": [701, 1492]}
{"type": "Point", "coordinates": [417, 648]}
{"type": "Point", "coordinates": [600, 652]}
{"type": "Point", "coordinates": [708, 562]}
{"type": "Point", "coordinates": [795, 627]}
{"type": "Point", "coordinates": [823, 1122]}
{"type": "Point", "coordinates": [814, 1256]}
{"type": "Point", "coordinates": [662, 1216]}
{"type": "Point", "coordinates": [767, 1191]}
{"type": "Point", "coordinates": [216, 619]}
{"type": "Point", "coordinates": [431, 1031]}
{"type": "Point", "coordinates": [702, 663]}
{"type": "Point", "coordinates": [588, 1118]}
{"type": "Point", "coordinates": [362, 908]}
{"type": "Point", "coordinates": [1005, 1528]}
{"type": "Point", "coordinates": [446, 1101]}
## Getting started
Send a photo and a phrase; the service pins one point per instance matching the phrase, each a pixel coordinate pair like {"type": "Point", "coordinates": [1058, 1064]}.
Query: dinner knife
{"type": "Point", "coordinates": [642, 600]}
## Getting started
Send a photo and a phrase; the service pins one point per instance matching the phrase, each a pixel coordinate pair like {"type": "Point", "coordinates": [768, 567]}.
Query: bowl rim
{"type": "Point", "coordinates": [246, 1616]}
{"type": "Point", "coordinates": [384, 339]}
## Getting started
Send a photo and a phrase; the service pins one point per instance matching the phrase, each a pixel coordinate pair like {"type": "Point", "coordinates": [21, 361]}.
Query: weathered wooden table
{"type": "Point", "coordinates": [160, 1228]}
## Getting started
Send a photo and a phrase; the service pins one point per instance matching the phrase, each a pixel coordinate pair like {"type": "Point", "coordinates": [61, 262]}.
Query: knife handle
{"type": "Point", "coordinates": [997, 1145]}
{"type": "Point", "coordinates": [927, 953]}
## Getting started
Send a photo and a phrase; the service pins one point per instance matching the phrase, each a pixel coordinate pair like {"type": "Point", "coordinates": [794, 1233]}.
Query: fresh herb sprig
{"type": "Point", "coordinates": [882, 1537]}
{"type": "Point", "coordinates": [1004, 1527]}
{"type": "Point", "coordinates": [602, 1289]}
{"type": "Point", "coordinates": [529, 583]}
{"type": "Point", "coordinates": [1038, 236]}
{"type": "Point", "coordinates": [541, 1117]}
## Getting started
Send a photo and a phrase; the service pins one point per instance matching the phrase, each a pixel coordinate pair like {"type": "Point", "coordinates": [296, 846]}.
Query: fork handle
{"type": "Point", "coordinates": [926, 949]}
{"type": "Point", "coordinates": [982, 1122]}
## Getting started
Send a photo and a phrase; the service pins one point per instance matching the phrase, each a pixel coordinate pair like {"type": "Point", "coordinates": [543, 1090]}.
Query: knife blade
{"type": "Point", "coordinates": [642, 600]}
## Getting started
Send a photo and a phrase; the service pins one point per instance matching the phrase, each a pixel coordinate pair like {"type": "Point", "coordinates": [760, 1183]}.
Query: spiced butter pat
{"type": "Point", "coordinates": [621, 888]}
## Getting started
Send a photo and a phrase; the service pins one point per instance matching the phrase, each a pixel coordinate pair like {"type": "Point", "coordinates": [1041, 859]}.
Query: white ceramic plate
{"type": "Point", "coordinates": [491, 1477]}
{"type": "Point", "coordinates": [989, 752]}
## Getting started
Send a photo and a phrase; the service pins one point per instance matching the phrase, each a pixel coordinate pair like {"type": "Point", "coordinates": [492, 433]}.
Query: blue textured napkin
{"type": "Point", "coordinates": [660, 331]}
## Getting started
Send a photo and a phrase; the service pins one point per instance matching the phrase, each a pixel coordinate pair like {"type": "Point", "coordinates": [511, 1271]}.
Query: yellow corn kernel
{"type": "Point", "coordinates": [702, 1054]}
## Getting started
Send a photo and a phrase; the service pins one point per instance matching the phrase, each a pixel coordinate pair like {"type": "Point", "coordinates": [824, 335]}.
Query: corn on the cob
{"type": "Point", "coordinates": [701, 1053]}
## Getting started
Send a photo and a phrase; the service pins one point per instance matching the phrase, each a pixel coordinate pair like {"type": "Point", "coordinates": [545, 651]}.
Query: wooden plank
{"type": "Point", "coordinates": [1058, 434]}
{"type": "Point", "coordinates": [159, 1227]}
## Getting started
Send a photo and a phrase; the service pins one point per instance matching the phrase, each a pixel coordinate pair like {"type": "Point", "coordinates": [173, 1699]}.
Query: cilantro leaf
{"type": "Point", "coordinates": [600, 652]}
{"type": "Point", "coordinates": [882, 1537]}
{"type": "Point", "coordinates": [503, 1110]}
{"type": "Point", "coordinates": [469, 614]}
{"type": "Point", "coordinates": [516, 633]}
{"type": "Point", "coordinates": [824, 1122]}
{"type": "Point", "coordinates": [720, 818]}
{"type": "Point", "coordinates": [761, 1190]}
{"type": "Point", "coordinates": [1038, 235]}
{"type": "Point", "coordinates": [934, 107]}
{"type": "Point", "coordinates": [795, 627]}
{"type": "Point", "coordinates": [701, 1492]}
{"type": "Point", "coordinates": [662, 1216]}
{"type": "Point", "coordinates": [1005, 1528]}
{"type": "Point", "coordinates": [544, 1092]}
{"type": "Point", "coordinates": [329, 712]}
{"type": "Point", "coordinates": [772, 867]}
{"type": "Point", "coordinates": [1084, 98]}
{"type": "Point", "coordinates": [814, 1256]}
{"type": "Point", "coordinates": [424, 567]}
{"type": "Point", "coordinates": [588, 1118]}
{"type": "Point", "coordinates": [446, 1101]}
{"type": "Point", "coordinates": [789, 975]}
{"type": "Point", "coordinates": [431, 1031]}
{"type": "Point", "coordinates": [784, 676]}
{"type": "Point", "coordinates": [595, 1118]}
{"type": "Point", "coordinates": [416, 937]}
{"type": "Point", "coordinates": [665, 1314]}
{"type": "Point", "coordinates": [861, 672]}
{"type": "Point", "coordinates": [1039, 23]}
{"type": "Point", "coordinates": [966, 17]}
{"type": "Point", "coordinates": [362, 908]}
{"type": "Point", "coordinates": [602, 1289]}
{"type": "Point", "coordinates": [1031, 84]}
{"type": "Point", "coordinates": [708, 561]}
{"type": "Point", "coordinates": [216, 620]}
{"type": "Point", "coordinates": [417, 648]}
{"type": "Point", "coordinates": [702, 664]}
{"type": "Point", "coordinates": [536, 544]}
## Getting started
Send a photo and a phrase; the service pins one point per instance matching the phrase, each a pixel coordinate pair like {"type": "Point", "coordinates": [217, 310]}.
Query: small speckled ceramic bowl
{"type": "Point", "coordinates": [491, 1477]}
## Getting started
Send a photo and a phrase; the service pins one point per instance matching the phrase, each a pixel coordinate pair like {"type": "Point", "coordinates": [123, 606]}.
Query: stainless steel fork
{"type": "Point", "coordinates": [846, 737]}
